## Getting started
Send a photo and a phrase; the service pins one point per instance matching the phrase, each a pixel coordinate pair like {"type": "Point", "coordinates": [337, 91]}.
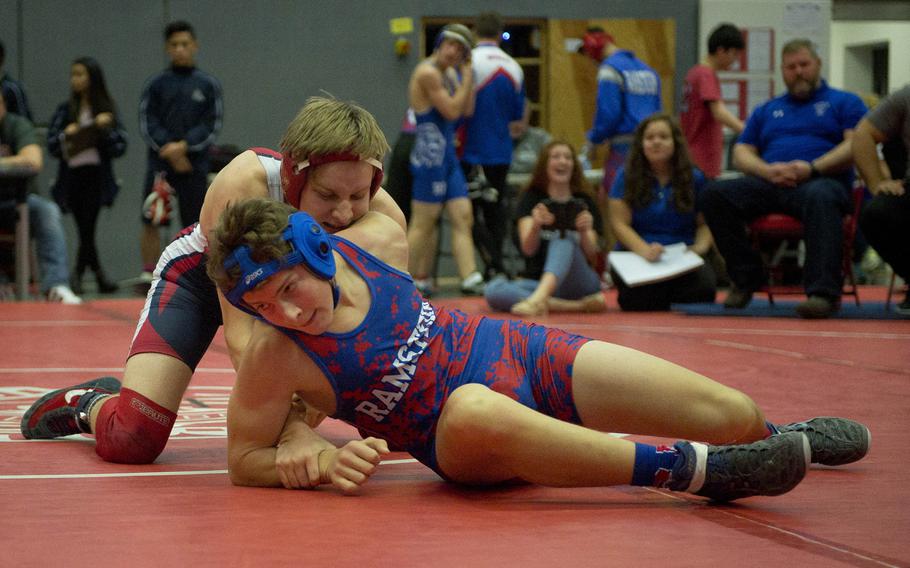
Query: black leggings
{"type": "Point", "coordinates": [491, 219]}
{"type": "Point", "coordinates": [84, 200]}
{"type": "Point", "coordinates": [885, 222]}
{"type": "Point", "coordinates": [698, 286]}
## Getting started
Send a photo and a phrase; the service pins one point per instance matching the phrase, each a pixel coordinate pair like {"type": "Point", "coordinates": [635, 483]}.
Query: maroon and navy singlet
{"type": "Point", "coordinates": [181, 313]}
{"type": "Point", "coordinates": [394, 372]}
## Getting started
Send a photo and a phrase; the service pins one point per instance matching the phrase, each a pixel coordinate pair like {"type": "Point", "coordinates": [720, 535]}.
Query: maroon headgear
{"type": "Point", "coordinates": [294, 174]}
{"type": "Point", "coordinates": [594, 42]}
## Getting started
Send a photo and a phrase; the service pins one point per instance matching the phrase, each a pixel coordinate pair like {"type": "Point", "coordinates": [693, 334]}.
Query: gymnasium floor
{"type": "Point", "coordinates": [62, 506]}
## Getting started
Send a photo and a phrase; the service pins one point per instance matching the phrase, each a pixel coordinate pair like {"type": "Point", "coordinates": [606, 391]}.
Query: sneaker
{"type": "Point", "coordinates": [57, 413]}
{"type": "Point", "coordinates": [143, 283]}
{"type": "Point", "coordinates": [817, 307]}
{"type": "Point", "coordinates": [834, 441]}
{"type": "Point", "coordinates": [62, 294]}
{"type": "Point", "coordinates": [738, 299]}
{"type": "Point", "coordinates": [771, 466]}
{"type": "Point", "coordinates": [472, 285]}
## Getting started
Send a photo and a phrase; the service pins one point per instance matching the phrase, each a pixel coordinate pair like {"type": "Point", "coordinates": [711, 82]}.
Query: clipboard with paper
{"type": "Point", "coordinates": [83, 139]}
{"type": "Point", "coordinates": [634, 270]}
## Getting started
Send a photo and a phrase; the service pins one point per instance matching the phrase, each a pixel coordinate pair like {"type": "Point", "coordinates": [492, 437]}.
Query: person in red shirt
{"type": "Point", "coordinates": [704, 113]}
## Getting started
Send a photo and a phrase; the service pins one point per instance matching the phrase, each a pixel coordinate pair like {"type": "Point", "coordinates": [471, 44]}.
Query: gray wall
{"type": "Point", "coordinates": [269, 56]}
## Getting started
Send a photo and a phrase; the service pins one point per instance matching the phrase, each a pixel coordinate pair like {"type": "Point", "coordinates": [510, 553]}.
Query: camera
{"type": "Point", "coordinates": [565, 213]}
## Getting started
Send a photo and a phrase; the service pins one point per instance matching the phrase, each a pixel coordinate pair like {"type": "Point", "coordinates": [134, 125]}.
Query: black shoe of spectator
{"type": "Point", "coordinates": [904, 307]}
{"type": "Point", "coordinates": [817, 307]}
{"type": "Point", "coordinates": [738, 299]}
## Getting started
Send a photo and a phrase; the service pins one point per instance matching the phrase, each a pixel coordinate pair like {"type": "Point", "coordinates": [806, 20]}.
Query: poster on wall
{"type": "Point", "coordinates": [758, 56]}
{"type": "Point", "coordinates": [805, 20]}
{"type": "Point", "coordinates": [742, 95]}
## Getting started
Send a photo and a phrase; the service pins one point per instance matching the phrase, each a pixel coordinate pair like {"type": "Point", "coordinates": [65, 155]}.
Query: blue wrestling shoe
{"type": "Point", "coordinates": [834, 441]}
{"type": "Point", "coordinates": [771, 466]}
{"type": "Point", "coordinates": [64, 412]}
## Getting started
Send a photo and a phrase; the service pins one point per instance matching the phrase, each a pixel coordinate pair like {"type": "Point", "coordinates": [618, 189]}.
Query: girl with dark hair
{"type": "Point", "coordinates": [558, 229]}
{"type": "Point", "coordinates": [652, 204]}
{"type": "Point", "coordinates": [85, 134]}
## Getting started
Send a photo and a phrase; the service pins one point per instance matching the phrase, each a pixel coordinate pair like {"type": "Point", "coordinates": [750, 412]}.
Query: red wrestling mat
{"type": "Point", "coordinates": [62, 505]}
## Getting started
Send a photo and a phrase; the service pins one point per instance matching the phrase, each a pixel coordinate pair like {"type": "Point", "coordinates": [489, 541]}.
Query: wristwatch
{"type": "Point", "coordinates": [813, 171]}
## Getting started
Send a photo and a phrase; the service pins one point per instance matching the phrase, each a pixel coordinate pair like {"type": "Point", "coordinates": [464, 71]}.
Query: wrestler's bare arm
{"type": "Point", "coordinates": [380, 236]}
{"type": "Point", "coordinates": [243, 178]}
{"type": "Point", "coordinates": [271, 371]}
{"type": "Point", "coordinates": [383, 203]}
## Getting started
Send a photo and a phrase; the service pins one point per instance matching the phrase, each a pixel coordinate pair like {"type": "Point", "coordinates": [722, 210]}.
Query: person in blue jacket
{"type": "Point", "coordinates": [628, 91]}
{"type": "Point", "coordinates": [180, 113]}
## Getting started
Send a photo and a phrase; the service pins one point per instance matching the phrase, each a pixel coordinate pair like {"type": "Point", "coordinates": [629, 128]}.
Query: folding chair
{"type": "Point", "coordinates": [786, 232]}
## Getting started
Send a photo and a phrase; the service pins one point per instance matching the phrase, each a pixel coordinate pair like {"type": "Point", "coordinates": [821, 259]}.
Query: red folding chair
{"type": "Point", "coordinates": [784, 233]}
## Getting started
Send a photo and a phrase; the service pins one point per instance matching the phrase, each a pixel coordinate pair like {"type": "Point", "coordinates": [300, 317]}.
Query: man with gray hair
{"type": "Point", "coordinates": [795, 153]}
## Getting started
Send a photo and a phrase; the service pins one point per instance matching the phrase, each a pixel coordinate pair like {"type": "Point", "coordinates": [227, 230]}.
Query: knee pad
{"type": "Point", "coordinates": [132, 429]}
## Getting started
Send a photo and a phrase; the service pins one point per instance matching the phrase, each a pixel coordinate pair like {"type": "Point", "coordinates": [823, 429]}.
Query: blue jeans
{"type": "Point", "coordinates": [820, 204]}
{"type": "Point", "coordinates": [574, 276]}
{"type": "Point", "coordinates": [46, 228]}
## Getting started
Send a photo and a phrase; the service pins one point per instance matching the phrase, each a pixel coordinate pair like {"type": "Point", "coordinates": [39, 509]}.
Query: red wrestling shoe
{"type": "Point", "coordinates": [64, 412]}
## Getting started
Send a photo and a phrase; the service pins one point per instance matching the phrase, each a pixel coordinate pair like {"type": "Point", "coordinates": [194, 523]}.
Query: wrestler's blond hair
{"type": "Point", "coordinates": [329, 126]}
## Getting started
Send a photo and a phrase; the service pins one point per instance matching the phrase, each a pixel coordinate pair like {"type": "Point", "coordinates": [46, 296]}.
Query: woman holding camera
{"type": "Point", "coordinates": [558, 229]}
{"type": "Point", "coordinates": [653, 204]}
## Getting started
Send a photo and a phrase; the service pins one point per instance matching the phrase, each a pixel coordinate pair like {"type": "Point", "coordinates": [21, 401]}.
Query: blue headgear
{"type": "Point", "coordinates": [310, 245]}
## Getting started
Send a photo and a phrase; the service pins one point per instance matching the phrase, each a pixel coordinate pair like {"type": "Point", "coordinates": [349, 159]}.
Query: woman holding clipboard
{"type": "Point", "coordinates": [85, 134]}
{"type": "Point", "coordinates": [652, 205]}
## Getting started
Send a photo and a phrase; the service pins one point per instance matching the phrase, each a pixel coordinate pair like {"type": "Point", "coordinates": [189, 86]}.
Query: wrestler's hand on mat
{"type": "Point", "coordinates": [297, 455]}
{"type": "Point", "coordinates": [349, 466]}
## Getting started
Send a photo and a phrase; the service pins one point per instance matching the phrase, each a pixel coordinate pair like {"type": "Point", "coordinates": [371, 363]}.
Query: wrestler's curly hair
{"type": "Point", "coordinates": [257, 223]}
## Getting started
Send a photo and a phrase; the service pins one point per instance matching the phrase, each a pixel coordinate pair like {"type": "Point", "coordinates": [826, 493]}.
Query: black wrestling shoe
{"type": "Point", "coordinates": [771, 466]}
{"type": "Point", "coordinates": [834, 441]}
{"type": "Point", "coordinates": [57, 413]}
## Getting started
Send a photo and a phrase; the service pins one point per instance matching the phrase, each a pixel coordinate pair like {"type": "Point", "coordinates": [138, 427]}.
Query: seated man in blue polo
{"type": "Point", "coordinates": [796, 156]}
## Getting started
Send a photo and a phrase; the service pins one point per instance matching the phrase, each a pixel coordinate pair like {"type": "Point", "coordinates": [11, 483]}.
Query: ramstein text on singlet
{"type": "Point", "coordinates": [404, 366]}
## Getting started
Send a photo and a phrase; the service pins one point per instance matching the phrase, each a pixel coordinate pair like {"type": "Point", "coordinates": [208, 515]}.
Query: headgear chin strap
{"type": "Point", "coordinates": [294, 174]}
{"type": "Point", "coordinates": [310, 246]}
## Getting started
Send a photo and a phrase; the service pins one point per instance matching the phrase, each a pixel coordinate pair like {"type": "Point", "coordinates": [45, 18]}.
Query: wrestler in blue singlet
{"type": "Point", "coordinates": [435, 168]}
{"type": "Point", "coordinates": [393, 373]}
